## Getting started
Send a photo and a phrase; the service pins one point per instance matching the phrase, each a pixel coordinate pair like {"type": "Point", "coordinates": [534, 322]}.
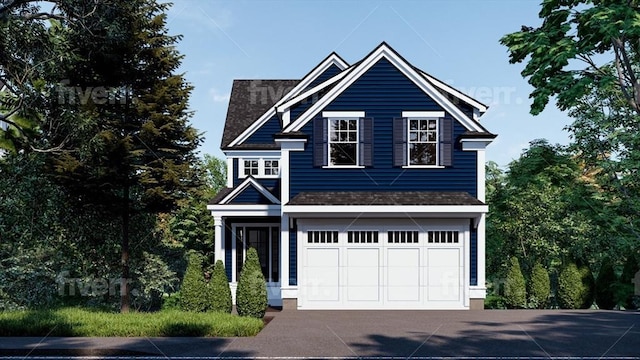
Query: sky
{"type": "Point", "coordinates": [456, 41]}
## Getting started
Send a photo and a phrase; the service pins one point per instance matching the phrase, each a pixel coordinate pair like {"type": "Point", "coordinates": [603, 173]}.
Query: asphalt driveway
{"type": "Point", "coordinates": [400, 334]}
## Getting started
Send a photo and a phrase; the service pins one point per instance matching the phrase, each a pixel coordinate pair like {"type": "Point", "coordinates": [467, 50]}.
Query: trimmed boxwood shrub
{"type": "Point", "coordinates": [193, 292]}
{"type": "Point", "coordinates": [605, 285]}
{"type": "Point", "coordinates": [570, 287]}
{"type": "Point", "coordinates": [251, 295]}
{"type": "Point", "coordinates": [218, 290]}
{"type": "Point", "coordinates": [515, 292]}
{"type": "Point", "coordinates": [588, 287]}
{"type": "Point", "coordinates": [540, 287]}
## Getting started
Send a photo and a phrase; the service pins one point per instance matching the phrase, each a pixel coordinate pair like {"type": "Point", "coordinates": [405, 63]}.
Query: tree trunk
{"type": "Point", "coordinates": [125, 300]}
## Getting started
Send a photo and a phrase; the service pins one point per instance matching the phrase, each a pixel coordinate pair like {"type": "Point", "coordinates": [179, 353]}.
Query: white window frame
{"type": "Point", "coordinates": [409, 142]}
{"type": "Point", "coordinates": [261, 167]}
{"type": "Point", "coordinates": [357, 143]}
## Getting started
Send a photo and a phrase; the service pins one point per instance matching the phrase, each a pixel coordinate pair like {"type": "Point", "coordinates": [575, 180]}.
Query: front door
{"type": "Point", "coordinates": [265, 239]}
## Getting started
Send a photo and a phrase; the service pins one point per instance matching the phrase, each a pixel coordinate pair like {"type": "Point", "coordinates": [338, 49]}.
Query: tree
{"type": "Point", "coordinates": [219, 292]}
{"type": "Point", "coordinates": [570, 289]}
{"type": "Point", "coordinates": [251, 295]}
{"type": "Point", "coordinates": [540, 287]}
{"type": "Point", "coordinates": [605, 283]}
{"type": "Point", "coordinates": [631, 267]}
{"type": "Point", "coordinates": [588, 286]}
{"type": "Point", "coordinates": [193, 292]}
{"type": "Point", "coordinates": [514, 288]}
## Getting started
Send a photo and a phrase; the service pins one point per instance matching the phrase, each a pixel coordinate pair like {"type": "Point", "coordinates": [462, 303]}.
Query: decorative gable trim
{"type": "Point", "coordinates": [249, 181]}
{"type": "Point", "coordinates": [283, 106]}
{"type": "Point", "coordinates": [331, 60]}
{"type": "Point", "coordinates": [386, 52]}
{"type": "Point", "coordinates": [455, 92]}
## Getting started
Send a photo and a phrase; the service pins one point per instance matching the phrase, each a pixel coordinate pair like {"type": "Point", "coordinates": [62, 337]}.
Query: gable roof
{"type": "Point", "coordinates": [227, 195]}
{"type": "Point", "coordinates": [249, 100]}
{"type": "Point", "coordinates": [384, 51]}
{"type": "Point", "coordinates": [249, 123]}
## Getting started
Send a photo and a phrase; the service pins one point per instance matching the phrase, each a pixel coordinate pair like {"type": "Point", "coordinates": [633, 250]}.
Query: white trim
{"type": "Point", "coordinates": [230, 169]}
{"type": "Point", "coordinates": [384, 51]}
{"type": "Point", "coordinates": [284, 251]}
{"type": "Point", "coordinates": [287, 105]}
{"type": "Point", "coordinates": [409, 142]}
{"type": "Point", "coordinates": [481, 258]}
{"type": "Point", "coordinates": [291, 145]}
{"type": "Point", "coordinates": [252, 153]}
{"type": "Point", "coordinates": [244, 210]}
{"type": "Point", "coordinates": [344, 167]}
{"type": "Point", "coordinates": [343, 115]}
{"type": "Point", "coordinates": [423, 167]}
{"type": "Point", "coordinates": [423, 114]}
{"type": "Point", "coordinates": [332, 59]}
{"type": "Point", "coordinates": [386, 209]}
{"type": "Point", "coordinates": [249, 181]}
{"type": "Point", "coordinates": [261, 167]}
{"type": "Point", "coordinates": [218, 238]}
{"type": "Point", "coordinates": [480, 174]}
{"type": "Point", "coordinates": [347, 115]}
{"type": "Point", "coordinates": [457, 93]}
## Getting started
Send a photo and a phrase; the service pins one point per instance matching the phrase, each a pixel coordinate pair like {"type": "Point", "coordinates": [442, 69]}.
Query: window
{"type": "Point", "coordinates": [442, 237]}
{"type": "Point", "coordinates": [362, 237]}
{"type": "Point", "coordinates": [322, 237]}
{"type": "Point", "coordinates": [343, 142]}
{"type": "Point", "coordinates": [402, 237]}
{"type": "Point", "coordinates": [423, 141]}
{"type": "Point", "coordinates": [259, 168]}
{"type": "Point", "coordinates": [265, 239]}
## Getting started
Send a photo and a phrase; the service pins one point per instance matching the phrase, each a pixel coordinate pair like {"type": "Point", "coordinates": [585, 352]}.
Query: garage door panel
{"type": "Point", "coordinates": [403, 293]}
{"type": "Point", "coordinates": [363, 293]}
{"type": "Point", "coordinates": [322, 257]}
{"type": "Point", "coordinates": [443, 257]}
{"type": "Point", "coordinates": [403, 257]}
{"type": "Point", "coordinates": [357, 257]}
{"type": "Point", "coordinates": [322, 293]}
{"type": "Point", "coordinates": [363, 276]}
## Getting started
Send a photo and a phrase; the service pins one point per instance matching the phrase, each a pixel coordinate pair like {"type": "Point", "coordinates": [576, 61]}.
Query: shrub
{"type": "Point", "coordinates": [626, 282]}
{"type": "Point", "coordinates": [570, 287]}
{"type": "Point", "coordinates": [193, 292]}
{"type": "Point", "coordinates": [515, 294]}
{"type": "Point", "coordinates": [605, 285]}
{"type": "Point", "coordinates": [251, 295]}
{"type": "Point", "coordinates": [587, 293]}
{"type": "Point", "coordinates": [540, 287]}
{"type": "Point", "coordinates": [171, 301]}
{"type": "Point", "coordinates": [218, 290]}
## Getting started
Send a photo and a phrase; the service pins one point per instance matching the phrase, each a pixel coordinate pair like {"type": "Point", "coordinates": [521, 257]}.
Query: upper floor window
{"type": "Point", "coordinates": [343, 139]}
{"type": "Point", "coordinates": [259, 168]}
{"type": "Point", "coordinates": [423, 139]}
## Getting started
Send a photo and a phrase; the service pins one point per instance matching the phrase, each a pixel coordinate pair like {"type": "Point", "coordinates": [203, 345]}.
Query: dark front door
{"type": "Point", "coordinates": [265, 239]}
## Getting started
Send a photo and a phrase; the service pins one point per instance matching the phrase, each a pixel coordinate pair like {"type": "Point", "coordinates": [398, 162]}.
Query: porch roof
{"type": "Point", "coordinates": [372, 198]}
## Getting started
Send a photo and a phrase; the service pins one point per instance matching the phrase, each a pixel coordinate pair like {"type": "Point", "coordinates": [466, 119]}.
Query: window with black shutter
{"type": "Point", "coordinates": [343, 142]}
{"type": "Point", "coordinates": [422, 141]}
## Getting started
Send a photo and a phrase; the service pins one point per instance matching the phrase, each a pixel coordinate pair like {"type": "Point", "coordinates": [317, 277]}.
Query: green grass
{"type": "Point", "coordinates": [83, 322]}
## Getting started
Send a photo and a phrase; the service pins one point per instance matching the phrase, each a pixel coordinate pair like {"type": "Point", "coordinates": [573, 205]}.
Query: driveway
{"type": "Point", "coordinates": [353, 334]}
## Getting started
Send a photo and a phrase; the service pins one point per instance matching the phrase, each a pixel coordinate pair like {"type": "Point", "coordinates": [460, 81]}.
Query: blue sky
{"type": "Point", "coordinates": [455, 41]}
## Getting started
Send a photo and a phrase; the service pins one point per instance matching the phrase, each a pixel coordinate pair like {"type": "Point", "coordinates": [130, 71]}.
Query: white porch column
{"type": "Point", "coordinates": [284, 251]}
{"type": "Point", "coordinates": [481, 256]}
{"type": "Point", "coordinates": [218, 238]}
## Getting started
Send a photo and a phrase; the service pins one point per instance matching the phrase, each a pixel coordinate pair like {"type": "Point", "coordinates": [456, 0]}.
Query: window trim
{"type": "Point", "coordinates": [356, 143]}
{"type": "Point", "coordinates": [261, 167]}
{"type": "Point", "coordinates": [437, 142]}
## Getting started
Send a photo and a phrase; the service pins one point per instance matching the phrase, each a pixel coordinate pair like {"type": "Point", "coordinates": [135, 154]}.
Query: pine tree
{"type": "Point", "coordinates": [193, 292]}
{"type": "Point", "coordinates": [251, 295]}
{"type": "Point", "coordinates": [218, 290]}
{"type": "Point", "coordinates": [514, 288]}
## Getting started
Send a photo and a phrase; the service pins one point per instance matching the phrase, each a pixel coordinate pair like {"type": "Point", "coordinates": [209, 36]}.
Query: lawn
{"type": "Point", "coordinates": [83, 322]}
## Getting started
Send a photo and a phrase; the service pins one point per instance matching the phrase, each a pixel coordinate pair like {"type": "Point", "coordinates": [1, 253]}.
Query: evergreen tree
{"type": "Point", "coordinates": [540, 287]}
{"type": "Point", "coordinates": [251, 295]}
{"type": "Point", "coordinates": [193, 292]}
{"type": "Point", "coordinates": [605, 282]}
{"type": "Point", "coordinates": [588, 286]}
{"type": "Point", "coordinates": [631, 267]}
{"type": "Point", "coordinates": [514, 288]}
{"type": "Point", "coordinates": [569, 292]}
{"type": "Point", "coordinates": [219, 292]}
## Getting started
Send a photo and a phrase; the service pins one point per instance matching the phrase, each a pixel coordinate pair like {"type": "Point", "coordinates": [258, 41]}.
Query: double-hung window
{"type": "Point", "coordinates": [343, 140]}
{"type": "Point", "coordinates": [423, 139]}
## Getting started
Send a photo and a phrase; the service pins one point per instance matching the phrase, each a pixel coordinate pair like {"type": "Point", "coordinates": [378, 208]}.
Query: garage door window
{"type": "Point", "coordinates": [362, 237]}
{"type": "Point", "coordinates": [402, 237]}
{"type": "Point", "coordinates": [443, 237]}
{"type": "Point", "coordinates": [322, 237]}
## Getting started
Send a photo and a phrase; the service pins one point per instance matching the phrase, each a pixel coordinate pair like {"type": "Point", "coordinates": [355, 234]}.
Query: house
{"type": "Point", "coordinates": [361, 186]}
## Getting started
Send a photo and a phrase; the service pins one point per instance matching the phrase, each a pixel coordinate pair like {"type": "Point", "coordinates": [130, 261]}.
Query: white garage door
{"type": "Point", "coordinates": [389, 269]}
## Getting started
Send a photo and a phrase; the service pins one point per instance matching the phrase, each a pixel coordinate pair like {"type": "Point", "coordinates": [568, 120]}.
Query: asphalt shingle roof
{"type": "Point", "coordinates": [367, 198]}
{"type": "Point", "coordinates": [249, 100]}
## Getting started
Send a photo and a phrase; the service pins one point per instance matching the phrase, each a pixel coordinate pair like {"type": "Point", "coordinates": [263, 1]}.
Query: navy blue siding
{"type": "Point", "coordinates": [473, 276]}
{"type": "Point", "coordinates": [383, 93]}
{"type": "Point", "coordinates": [227, 249]}
{"type": "Point", "coordinates": [264, 135]}
{"type": "Point", "coordinates": [268, 183]}
{"type": "Point", "coordinates": [293, 258]}
{"type": "Point", "coordinates": [250, 196]}
{"type": "Point", "coordinates": [332, 71]}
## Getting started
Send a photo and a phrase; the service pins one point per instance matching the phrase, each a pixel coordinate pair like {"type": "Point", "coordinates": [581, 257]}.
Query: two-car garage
{"type": "Point", "coordinates": [364, 265]}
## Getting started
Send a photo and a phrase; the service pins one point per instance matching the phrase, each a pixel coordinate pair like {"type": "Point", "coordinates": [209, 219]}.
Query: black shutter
{"type": "Point", "coordinates": [400, 141]}
{"type": "Point", "coordinates": [445, 139]}
{"type": "Point", "coordinates": [320, 137]}
{"type": "Point", "coordinates": [366, 141]}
